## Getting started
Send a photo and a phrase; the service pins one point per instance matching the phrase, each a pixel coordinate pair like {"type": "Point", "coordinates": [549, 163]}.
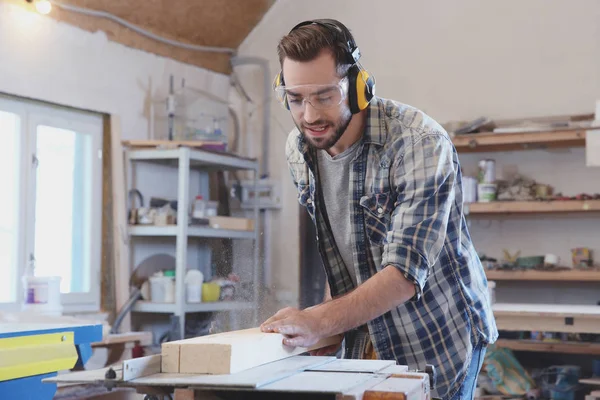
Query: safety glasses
{"type": "Point", "coordinates": [320, 97]}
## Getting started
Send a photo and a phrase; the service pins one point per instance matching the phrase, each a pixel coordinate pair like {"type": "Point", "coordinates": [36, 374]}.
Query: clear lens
{"type": "Point", "coordinates": [320, 97]}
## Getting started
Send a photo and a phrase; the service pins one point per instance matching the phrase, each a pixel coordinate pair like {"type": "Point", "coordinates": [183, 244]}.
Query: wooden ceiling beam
{"type": "Point", "coordinates": [201, 22]}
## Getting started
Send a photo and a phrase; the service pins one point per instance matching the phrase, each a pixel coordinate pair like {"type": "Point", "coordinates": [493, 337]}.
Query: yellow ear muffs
{"type": "Point", "coordinates": [361, 89]}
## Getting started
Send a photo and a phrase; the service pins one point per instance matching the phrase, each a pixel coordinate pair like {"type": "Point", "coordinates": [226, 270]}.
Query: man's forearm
{"type": "Point", "coordinates": [384, 291]}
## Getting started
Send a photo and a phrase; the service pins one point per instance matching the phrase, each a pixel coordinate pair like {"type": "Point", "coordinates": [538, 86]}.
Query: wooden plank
{"type": "Point", "coordinates": [319, 382]}
{"type": "Point", "coordinates": [140, 367]}
{"type": "Point", "coordinates": [252, 378]}
{"type": "Point", "coordinates": [590, 381]}
{"type": "Point", "coordinates": [532, 207]}
{"type": "Point", "coordinates": [370, 366]}
{"type": "Point", "coordinates": [183, 394]}
{"type": "Point", "coordinates": [490, 141]}
{"type": "Point", "coordinates": [357, 392]}
{"type": "Point", "coordinates": [231, 352]}
{"type": "Point", "coordinates": [550, 347]}
{"type": "Point", "coordinates": [574, 275]}
{"type": "Point", "coordinates": [169, 144]}
{"type": "Point", "coordinates": [560, 310]}
{"type": "Point", "coordinates": [143, 338]}
{"type": "Point", "coordinates": [547, 317]}
{"type": "Point", "coordinates": [170, 357]}
{"type": "Point", "coordinates": [398, 389]}
{"type": "Point", "coordinates": [119, 220]}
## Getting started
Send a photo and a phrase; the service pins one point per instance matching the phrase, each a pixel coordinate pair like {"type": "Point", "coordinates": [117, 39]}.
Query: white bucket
{"type": "Point", "coordinates": [41, 294]}
{"type": "Point", "coordinates": [162, 289]}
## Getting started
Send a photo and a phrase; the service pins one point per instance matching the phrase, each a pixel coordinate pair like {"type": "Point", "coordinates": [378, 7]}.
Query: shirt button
{"type": "Point", "coordinates": [380, 210]}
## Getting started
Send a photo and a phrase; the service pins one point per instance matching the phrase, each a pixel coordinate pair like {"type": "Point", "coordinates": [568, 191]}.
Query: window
{"type": "Point", "coordinates": [50, 212]}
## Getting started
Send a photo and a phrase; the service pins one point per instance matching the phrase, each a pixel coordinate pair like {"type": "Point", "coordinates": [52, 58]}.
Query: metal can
{"type": "Point", "coordinates": [487, 171]}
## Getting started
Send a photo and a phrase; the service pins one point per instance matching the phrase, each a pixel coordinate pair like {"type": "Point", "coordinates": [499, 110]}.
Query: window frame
{"type": "Point", "coordinates": [32, 114]}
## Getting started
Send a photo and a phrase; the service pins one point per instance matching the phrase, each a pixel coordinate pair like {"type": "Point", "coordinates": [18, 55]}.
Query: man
{"type": "Point", "coordinates": [382, 182]}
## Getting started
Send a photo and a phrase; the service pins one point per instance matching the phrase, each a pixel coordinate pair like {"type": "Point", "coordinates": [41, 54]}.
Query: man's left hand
{"type": "Point", "coordinates": [300, 328]}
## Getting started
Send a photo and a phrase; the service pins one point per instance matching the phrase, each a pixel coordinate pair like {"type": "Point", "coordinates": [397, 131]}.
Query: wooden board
{"type": "Point", "coordinates": [169, 144]}
{"type": "Point", "coordinates": [590, 381]}
{"type": "Point", "coordinates": [484, 142]}
{"type": "Point", "coordinates": [231, 223]}
{"type": "Point", "coordinates": [575, 275]}
{"type": "Point", "coordinates": [396, 389]}
{"type": "Point", "coordinates": [119, 221]}
{"type": "Point", "coordinates": [547, 317]}
{"type": "Point", "coordinates": [229, 352]}
{"type": "Point", "coordinates": [532, 207]}
{"type": "Point", "coordinates": [550, 347]}
{"type": "Point", "coordinates": [143, 338]}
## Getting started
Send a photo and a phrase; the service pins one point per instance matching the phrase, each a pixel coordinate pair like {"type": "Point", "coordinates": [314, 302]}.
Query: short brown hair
{"type": "Point", "coordinates": [307, 42]}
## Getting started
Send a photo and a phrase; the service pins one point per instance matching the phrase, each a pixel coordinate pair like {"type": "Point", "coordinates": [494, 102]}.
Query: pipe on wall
{"type": "Point", "coordinates": [263, 64]}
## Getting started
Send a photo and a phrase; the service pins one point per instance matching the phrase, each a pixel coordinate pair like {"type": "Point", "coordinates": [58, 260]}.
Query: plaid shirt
{"type": "Point", "coordinates": [407, 211]}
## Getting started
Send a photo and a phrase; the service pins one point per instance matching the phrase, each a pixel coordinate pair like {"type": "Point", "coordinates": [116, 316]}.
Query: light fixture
{"type": "Point", "coordinates": [43, 6]}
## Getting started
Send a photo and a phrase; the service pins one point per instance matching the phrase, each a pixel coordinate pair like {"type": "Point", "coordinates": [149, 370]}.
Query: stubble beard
{"type": "Point", "coordinates": [327, 142]}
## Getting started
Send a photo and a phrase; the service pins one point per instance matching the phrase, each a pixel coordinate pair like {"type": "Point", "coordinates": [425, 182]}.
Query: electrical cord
{"type": "Point", "coordinates": [114, 18]}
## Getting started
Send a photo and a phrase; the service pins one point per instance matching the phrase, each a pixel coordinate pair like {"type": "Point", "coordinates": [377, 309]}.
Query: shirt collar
{"type": "Point", "coordinates": [375, 129]}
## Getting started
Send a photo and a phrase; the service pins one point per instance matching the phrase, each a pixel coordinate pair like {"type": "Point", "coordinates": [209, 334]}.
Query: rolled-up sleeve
{"type": "Point", "coordinates": [424, 178]}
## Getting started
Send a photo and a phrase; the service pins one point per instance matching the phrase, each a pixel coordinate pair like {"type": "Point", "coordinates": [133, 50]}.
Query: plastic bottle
{"type": "Point", "coordinates": [199, 207]}
{"type": "Point", "coordinates": [193, 286]}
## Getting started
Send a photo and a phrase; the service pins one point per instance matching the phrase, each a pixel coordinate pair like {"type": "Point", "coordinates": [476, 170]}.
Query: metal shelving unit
{"type": "Point", "coordinates": [185, 159]}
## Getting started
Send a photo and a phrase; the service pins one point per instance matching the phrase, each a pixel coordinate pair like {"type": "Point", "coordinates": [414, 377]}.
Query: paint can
{"type": "Point", "coordinates": [486, 192]}
{"type": "Point", "coordinates": [487, 171]}
{"type": "Point", "coordinates": [41, 294]}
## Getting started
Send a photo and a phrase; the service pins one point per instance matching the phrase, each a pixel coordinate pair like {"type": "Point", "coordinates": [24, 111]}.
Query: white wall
{"type": "Point", "coordinates": [460, 60]}
{"type": "Point", "coordinates": [43, 59]}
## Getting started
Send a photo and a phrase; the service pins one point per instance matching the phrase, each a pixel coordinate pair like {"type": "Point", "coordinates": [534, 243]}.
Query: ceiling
{"type": "Point", "coordinates": [222, 23]}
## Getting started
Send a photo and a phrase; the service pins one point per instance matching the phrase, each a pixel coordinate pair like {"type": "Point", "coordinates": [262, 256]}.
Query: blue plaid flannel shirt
{"type": "Point", "coordinates": [407, 211]}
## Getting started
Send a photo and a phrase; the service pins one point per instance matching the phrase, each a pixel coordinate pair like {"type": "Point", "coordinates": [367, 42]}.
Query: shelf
{"type": "Point", "coordinates": [150, 307]}
{"type": "Point", "coordinates": [550, 347]}
{"type": "Point", "coordinates": [492, 142]}
{"type": "Point", "coordinates": [199, 159]}
{"type": "Point", "coordinates": [574, 275]}
{"type": "Point", "coordinates": [532, 207]}
{"type": "Point", "coordinates": [573, 318]}
{"type": "Point", "coordinates": [193, 231]}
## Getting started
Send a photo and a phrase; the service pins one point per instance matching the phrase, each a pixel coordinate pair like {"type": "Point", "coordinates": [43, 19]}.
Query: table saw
{"type": "Point", "coordinates": [296, 377]}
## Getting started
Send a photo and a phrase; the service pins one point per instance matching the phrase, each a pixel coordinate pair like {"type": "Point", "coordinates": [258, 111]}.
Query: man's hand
{"type": "Point", "coordinates": [300, 328]}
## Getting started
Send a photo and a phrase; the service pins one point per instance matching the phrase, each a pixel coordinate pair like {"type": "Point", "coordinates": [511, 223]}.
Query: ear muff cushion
{"type": "Point", "coordinates": [364, 89]}
{"type": "Point", "coordinates": [361, 89]}
{"type": "Point", "coordinates": [277, 82]}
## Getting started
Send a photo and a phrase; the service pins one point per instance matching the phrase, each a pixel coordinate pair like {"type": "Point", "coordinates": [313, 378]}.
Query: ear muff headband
{"type": "Point", "coordinates": [361, 88]}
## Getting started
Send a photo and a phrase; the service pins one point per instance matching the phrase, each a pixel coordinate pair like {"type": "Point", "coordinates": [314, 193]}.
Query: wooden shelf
{"type": "Point", "coordinates": [532, 207]}
{"type": "Point", "coordinates": [550, 347]}
{"type": "Point", "coordinates": [574, 318]}
{"type": "Point", "coordinates": [491, 142]}
{"type": "Point", "coordinates": [574, 275]}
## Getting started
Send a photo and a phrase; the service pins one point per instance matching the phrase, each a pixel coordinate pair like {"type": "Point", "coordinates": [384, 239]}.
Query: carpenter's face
{"type": "Point", "coordinates": [317, 99]}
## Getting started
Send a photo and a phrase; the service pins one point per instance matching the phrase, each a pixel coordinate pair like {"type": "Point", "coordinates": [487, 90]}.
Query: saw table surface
{"type": "Point", "coordinates": [299, 376]}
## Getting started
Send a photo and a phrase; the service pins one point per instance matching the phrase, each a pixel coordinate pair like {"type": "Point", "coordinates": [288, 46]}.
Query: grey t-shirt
{"type": "Point", "coordinates": [334, 178]}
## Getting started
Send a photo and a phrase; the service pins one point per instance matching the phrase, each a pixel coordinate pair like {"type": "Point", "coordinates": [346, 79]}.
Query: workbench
{"type": "Point", "coordinates": [296, 377]}
{"type": "Point", "coordinates": [31, 352]}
